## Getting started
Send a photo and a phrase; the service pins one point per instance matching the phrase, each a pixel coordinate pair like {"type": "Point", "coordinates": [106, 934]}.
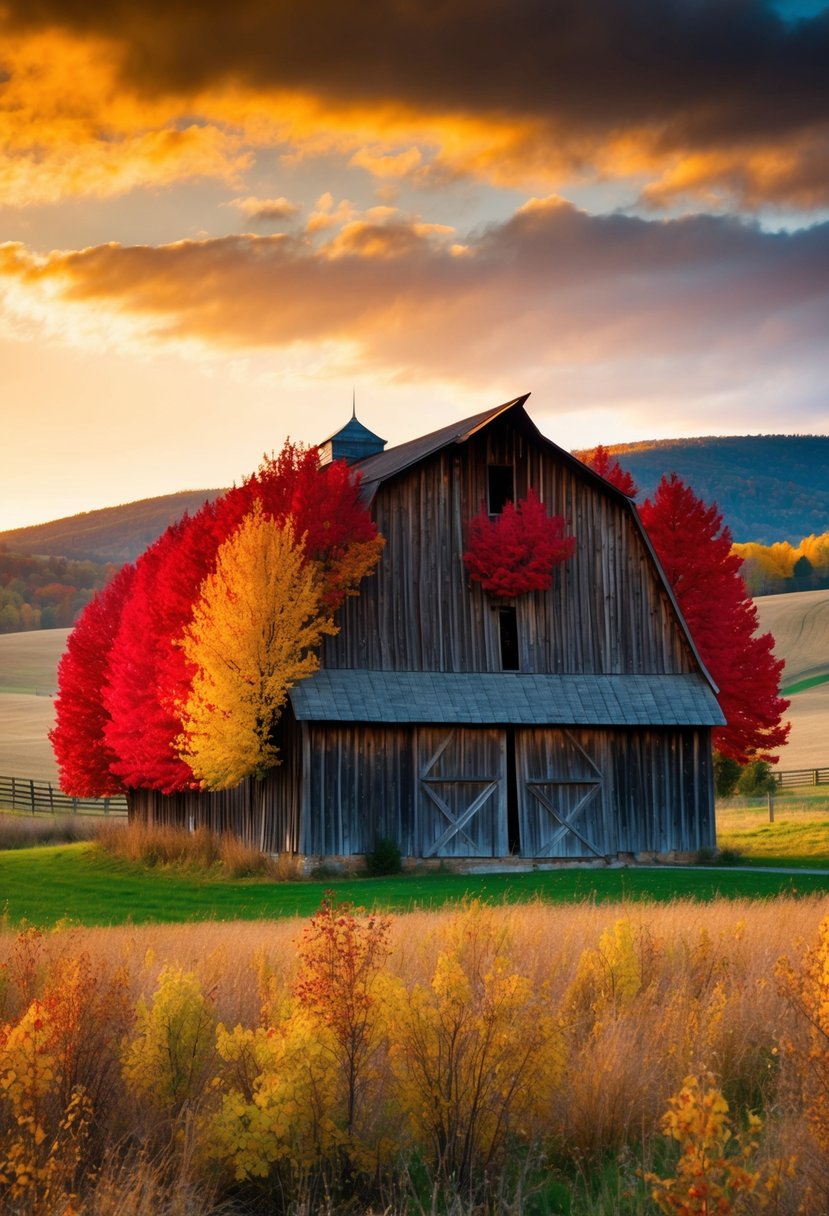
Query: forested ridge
{"type": "Point", "coordinates": [768, 487]}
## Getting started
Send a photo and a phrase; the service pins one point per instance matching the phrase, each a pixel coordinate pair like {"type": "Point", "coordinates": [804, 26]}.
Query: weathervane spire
{"type": "Point", "coordinates": [353, 402]}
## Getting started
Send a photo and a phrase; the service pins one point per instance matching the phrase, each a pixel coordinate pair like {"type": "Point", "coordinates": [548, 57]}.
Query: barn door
{"type": "Point", "coordinates": [461, 795]}
{"type": "Point", "coordinates": [559, 796]}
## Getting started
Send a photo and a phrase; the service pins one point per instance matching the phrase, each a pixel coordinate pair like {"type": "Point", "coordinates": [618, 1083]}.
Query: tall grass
{"type": "Point", "coordinates": [518, 1059]}
{"type": "Point", "coordinates": [149, 845]}
{"type": "Point", "coordinates": [25, 831]}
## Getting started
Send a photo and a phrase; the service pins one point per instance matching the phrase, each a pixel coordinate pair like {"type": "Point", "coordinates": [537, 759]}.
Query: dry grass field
{"type": "Point", "coordinates": [799, 622]}
{"type": "Point", "coordinates": [28, 680]}
{"type": "Point", "coordinates": [800, 625]}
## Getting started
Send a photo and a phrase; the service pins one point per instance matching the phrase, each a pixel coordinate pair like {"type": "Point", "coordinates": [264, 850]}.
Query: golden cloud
{"type": "Point", "coordinates": [113, 98]}
{"type": "Point", "coordinates": [550, 287]}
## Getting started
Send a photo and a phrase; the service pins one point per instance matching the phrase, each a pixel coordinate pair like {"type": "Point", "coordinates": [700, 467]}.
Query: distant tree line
{"type": "Point", "coordinates": [771, 569]}
{"type": "Point", "coordinates": [46, 592]}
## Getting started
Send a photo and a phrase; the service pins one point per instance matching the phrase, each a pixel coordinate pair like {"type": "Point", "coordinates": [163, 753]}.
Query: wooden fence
{"type": "Point", "coordinates": [41, 798]}
{"type": "Point", "coordinates": [802, 776]}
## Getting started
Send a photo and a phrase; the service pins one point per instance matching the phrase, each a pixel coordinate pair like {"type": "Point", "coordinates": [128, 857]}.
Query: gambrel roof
{"type": "Point", "coordinates": [505, 699]}
{"type": "Point", "coordinates": [374, 470]}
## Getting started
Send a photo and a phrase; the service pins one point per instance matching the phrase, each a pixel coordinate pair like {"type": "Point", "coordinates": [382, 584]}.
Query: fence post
{"type": "Point", "coordinates": [14, 796]}
{"type": "Point", "coordinates": [771, 807]}
{"type": "Point", "coordinates": [32, 795]}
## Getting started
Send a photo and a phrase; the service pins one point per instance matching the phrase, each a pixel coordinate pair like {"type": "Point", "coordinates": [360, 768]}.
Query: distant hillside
{"type": "Point", "coordinates": [768, 487]}
{"type": "Point", "coordinates": [113, 534]}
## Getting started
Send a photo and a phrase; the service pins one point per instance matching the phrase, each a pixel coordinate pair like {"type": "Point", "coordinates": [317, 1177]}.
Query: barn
{"type": "Point", "coordinates": [573, 723]}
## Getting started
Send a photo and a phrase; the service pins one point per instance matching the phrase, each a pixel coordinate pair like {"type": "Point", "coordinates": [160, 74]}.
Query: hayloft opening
{"type": "Point", "coordinates": [501, 487]}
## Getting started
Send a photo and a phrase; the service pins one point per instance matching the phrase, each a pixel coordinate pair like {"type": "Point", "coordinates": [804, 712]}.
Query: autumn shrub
{"type": "Point", "coordinates": [468, 1060]}
{"type": "Point", "coordinates": [716, 1169]}
{"type": "Point", "coordinates": [58, 1082]}
{"type": "Point", "coordinates": [167, 1061]}
{"type": "Point", "coordinates": [475, 1051]}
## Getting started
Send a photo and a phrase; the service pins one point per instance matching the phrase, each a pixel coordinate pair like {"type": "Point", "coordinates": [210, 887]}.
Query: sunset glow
{"type": "Point", "coordinates": [216, 220]}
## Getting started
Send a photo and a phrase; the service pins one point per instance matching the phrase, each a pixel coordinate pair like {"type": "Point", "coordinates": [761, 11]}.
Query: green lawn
{"type": "Point", "coordinates": [801, 685]}
{"type": "Point", "coordinates": [76, 884]}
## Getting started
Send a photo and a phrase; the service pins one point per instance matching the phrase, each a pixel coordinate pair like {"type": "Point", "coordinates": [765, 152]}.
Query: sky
{"type": "Point", "coordinates": [218, 221]}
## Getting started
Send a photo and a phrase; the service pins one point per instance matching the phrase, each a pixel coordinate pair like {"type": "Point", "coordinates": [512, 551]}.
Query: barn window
{"type": "Point", "coordinates": [508, 633]}
{"type": "Point", "coordinates": [501, 486]}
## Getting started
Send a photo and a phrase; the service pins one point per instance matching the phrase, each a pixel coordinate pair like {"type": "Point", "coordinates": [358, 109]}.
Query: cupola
{"type": "Point", "coordinates": [354, 442]}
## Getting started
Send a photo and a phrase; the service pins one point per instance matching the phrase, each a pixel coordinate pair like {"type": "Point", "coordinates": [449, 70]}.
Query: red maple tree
{"type": "Point", "coordinates": [150, 676]}
{"type": "Point", "coordinates": [78, 738]}
{"type": "Point", "coordinates": [694, 548]}
{"type": "Point", "coordinates": [601, 462]}
{"type": "Point", "coordinates": [517, 551]}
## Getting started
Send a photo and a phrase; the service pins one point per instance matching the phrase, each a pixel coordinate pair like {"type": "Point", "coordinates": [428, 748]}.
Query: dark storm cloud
{"type": "Point", "coordinates": [706, 72]}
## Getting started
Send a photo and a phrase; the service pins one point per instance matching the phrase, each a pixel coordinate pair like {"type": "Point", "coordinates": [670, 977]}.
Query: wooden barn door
{"type": "Point", "coordinates": [559, 789]}
{"type": "Point", "coordinates": [461, 792]}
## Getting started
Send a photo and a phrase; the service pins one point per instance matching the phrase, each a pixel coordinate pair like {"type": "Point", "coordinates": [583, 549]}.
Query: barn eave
{"type": "Point", "coordinates": [505, 698]}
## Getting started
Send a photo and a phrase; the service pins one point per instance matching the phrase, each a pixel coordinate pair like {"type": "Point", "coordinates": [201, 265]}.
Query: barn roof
{"type": "Point", "coordinates": [375, 469]}
{"type": "Point", "coordinates": [505, 698]}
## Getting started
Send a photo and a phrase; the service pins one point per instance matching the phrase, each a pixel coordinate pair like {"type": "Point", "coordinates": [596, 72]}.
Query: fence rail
{"type": "Point", "coordinates": [802, 776]}
{"type": "Point", "coordinates": [41, 798]}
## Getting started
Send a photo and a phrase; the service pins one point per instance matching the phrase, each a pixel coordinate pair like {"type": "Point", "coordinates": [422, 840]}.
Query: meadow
{"type": "Point", "coordinates": [586, 1058]}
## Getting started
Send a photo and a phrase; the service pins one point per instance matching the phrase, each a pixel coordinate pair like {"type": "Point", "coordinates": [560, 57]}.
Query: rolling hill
{"type": "Point", "coordinates": [768, 487]}
{"type": "Point", "coordinates": [112, 534]}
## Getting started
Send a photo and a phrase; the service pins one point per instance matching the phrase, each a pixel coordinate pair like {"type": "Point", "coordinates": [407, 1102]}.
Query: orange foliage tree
{"type": "Point", "coordinates": [254, 633]}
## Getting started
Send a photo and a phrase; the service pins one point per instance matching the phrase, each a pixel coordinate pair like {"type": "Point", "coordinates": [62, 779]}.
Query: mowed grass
{"type": "Point", "coordinates": [79, 885]}
{"type": "Point", "coordinates": [29, 661]}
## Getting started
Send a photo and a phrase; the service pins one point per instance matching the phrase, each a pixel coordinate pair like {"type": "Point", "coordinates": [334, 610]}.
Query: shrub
{"type": "Point", "coordinates": [384, 858]}
{"type": "Point", "coordinates": [757, 778]}
{"type": "Point", "coordinates": [726, 775]}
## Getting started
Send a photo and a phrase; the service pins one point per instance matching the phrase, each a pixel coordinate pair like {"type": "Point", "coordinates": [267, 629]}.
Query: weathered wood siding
{"type": "Point", "coordinates": [606, 613]}
{"type": "Point", "coordinates": [265, 814]}
{"type": "Point", "coordinates": [443, 792]}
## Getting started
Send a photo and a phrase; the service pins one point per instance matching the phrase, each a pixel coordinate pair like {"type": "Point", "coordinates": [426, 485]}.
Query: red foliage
{"type": "Point", "coordinates": [601, 462]}
{"type": "Point", "coordinates": [695, 551]}
{"type": "Point", "coordinates": [147, 670]}
{"type": "Point", "coordinates": [79, 737]}
{"type": "Point", "coordinates": [518, 551]}
{"type": "Point", "coordinates": [150, 676]}
{"type": "Point", "coordinates": [324, 503]}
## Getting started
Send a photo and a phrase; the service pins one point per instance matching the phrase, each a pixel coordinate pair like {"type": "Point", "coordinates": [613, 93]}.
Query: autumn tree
{"type": "Point", "coordinates": [254, 632]}
{"type": "Point", "coordinates": [152, 675]}
{"type": "Point", "coordinates": [79, 739]}
{"type": "Point", "coordinates": [518, 551]}
{"type": "Point", "coordinates": [143, 719]}
{"type": "Point", "coordinates": [694, 548]}
{"type": "Point", "coordinates": [601, 462]}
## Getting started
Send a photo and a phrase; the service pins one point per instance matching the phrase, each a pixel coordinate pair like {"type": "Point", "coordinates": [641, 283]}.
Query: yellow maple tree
{"type": "Point", "coordinates": [254, 632]}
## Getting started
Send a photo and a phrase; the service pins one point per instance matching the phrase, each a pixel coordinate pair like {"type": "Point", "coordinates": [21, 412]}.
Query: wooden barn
{"type": "Point", "coordinates": [573, 723]}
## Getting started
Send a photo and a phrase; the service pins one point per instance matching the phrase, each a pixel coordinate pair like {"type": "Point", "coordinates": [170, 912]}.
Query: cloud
{"type": "Point", "coordinates": [266, 210]}
{"type": "Point", "coordinates": [721, 98]}
{"type": "Point", "coordinates": [620, 308]}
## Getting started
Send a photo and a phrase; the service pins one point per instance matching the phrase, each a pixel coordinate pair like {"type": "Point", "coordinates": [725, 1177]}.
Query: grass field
{"type": "Point", "coordinates": [75, 884]}
{"type": "Point", "coordinates": [799, 835]}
